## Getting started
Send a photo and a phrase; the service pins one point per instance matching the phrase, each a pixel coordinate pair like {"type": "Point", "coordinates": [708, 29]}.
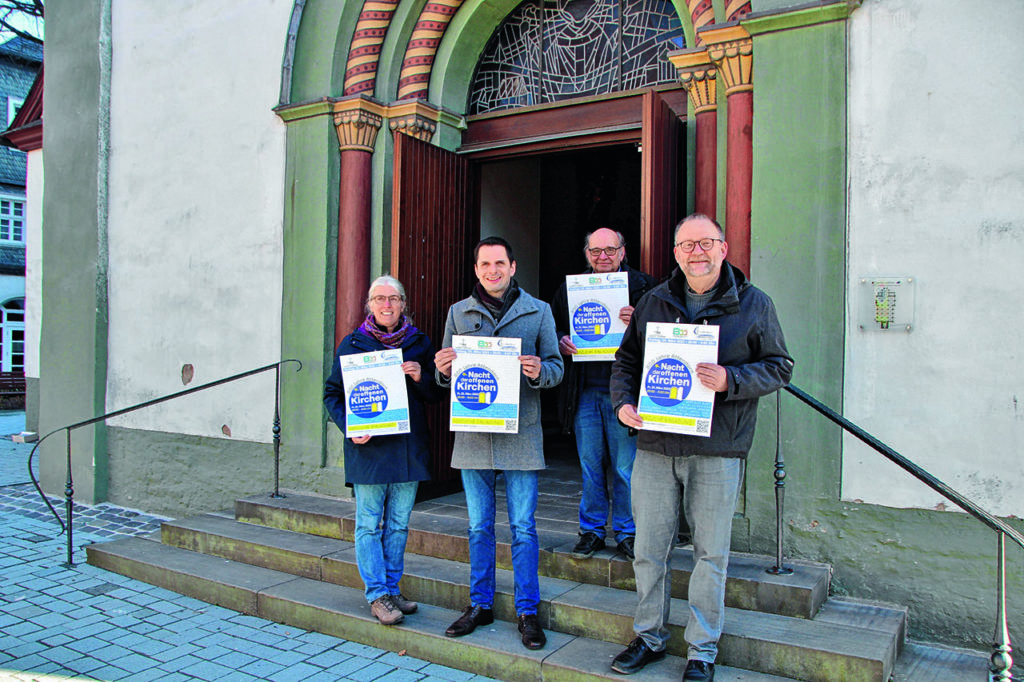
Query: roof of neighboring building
{"type": "Point", "coordinates": [12, 259]}
{"type": "Point", "coordinates": [26, 131]}
{"type": "Point", "coordinates": [24, 49]}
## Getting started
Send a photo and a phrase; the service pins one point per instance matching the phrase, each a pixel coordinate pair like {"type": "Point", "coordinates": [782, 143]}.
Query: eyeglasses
{"type": "Point", "coordinates": [608, 251]}
{"type": "Point", "coordinates": [705, 245]}
{"type": "Point", "coordinates": [379, 300]}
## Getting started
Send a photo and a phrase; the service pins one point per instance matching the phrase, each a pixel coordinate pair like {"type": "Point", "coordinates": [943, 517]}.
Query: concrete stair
{"type": "Point", "coordinates": [291, 560]}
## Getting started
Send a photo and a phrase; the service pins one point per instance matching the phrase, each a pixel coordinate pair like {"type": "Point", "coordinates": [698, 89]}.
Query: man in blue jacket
{"type": "Point", "coordinates": [498, 307]}
{"type": "Point", "coordinates": [752, 362]}
{"type": "Point", "coordinates": [585, 407]}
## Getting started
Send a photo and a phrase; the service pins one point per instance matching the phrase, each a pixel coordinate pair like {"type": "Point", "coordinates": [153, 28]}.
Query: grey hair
{"type": "Point", "coordinates": [698, 216]}
{"type": "Point", "coordinates": [622, 241]}
{"type": "Point", "coordinates": [586, 240]}
{"type": "Point", "coordinates": [385, 281]}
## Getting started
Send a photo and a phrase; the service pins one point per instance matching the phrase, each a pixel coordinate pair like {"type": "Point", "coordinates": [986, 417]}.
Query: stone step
{"type": "Point", "coordinates": [494, 651]}
{"type": "Point", "coordinates": [850, 641]}
{"type": "Point", "coordinates": [439, 528]}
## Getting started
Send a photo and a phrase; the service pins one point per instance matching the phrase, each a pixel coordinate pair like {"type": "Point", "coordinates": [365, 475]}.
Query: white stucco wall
{"type": "Point", "coordinates": [33, 260]}
{"type": "Point", "coordinates": [936, 168]}
{"type": "Point", "coordinates": [195, 211]}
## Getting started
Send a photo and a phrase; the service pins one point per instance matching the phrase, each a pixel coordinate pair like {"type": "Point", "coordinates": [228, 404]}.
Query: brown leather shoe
{"type": "Point", "coordinates": [533, 635]}
{"type": "Point", "coordinates": [385, 610]}
{"type": "Point", "coordinates": [404, 605]}
{"type": "Point", "coordinates": [471, 617]}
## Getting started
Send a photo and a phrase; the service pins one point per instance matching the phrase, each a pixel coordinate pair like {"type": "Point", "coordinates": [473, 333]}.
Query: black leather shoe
{"type": "Point", "coordinates": [533, 635]}
{"type": "Point", "coordinates": [701, 671]}
{"type": "Point", "coordinates": [471, 617]}
{"type": "Point", "coordinates": [635, 657]}
{"type": "Point", "coordinates": [588, 544]}
{"type": "Point", "coordinates": [626, 547]}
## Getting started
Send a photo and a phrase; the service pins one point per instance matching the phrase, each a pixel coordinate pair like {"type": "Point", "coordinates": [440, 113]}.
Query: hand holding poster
{"type": "Point", "coordinates": [485, 384]}
{"type": "Point", "coordinates": [376, 398]}
{"type": "Point", "coordinates": [595, 300]}
{"type": "Point", "coordinates": [672, 399]}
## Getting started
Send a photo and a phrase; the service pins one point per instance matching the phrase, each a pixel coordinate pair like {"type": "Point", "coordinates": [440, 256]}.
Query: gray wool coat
{"type": "Point", "coordinates": [530, 320]}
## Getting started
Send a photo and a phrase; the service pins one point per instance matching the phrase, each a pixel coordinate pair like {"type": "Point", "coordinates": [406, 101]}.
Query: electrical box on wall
{"type": "Point", "coordinates": [886, 304]}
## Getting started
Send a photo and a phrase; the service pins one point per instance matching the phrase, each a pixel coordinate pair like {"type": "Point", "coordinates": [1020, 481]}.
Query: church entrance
{"type": "Point", "coordinates": [542, 178]}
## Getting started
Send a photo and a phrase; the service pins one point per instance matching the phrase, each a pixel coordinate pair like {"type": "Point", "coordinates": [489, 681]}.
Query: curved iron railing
{"type": "Point", "coordinates": [1001, 661]}
{"type": "Point", "coordinates": [69, 487]}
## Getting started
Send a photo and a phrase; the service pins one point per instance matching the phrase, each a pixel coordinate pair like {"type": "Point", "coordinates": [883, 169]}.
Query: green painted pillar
{"type": "Point", "coordinates": [73, 340]}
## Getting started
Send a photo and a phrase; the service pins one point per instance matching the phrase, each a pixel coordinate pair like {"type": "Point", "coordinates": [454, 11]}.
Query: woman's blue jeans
{"type": "Point", "coordinates": [521, 496]}
{"type": "Point", "coordinates": [380, 548]}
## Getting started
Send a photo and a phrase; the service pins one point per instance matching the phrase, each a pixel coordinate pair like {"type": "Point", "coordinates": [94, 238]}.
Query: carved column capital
{"type": "Point", "coordinates": [357, 121]}
{"type": "Point", "coordinates": [698, 75]}
{"type": "Point", "coordinates": [732, 51]}
{"type": "Point", "coordinates": [415, 118]}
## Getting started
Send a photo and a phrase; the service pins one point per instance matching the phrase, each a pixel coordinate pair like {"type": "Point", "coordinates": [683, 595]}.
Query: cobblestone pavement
{"type": "Point", "coordinates": [84, 623]}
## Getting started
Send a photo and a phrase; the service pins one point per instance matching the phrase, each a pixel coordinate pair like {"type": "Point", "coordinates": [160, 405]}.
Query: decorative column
{"type": "Point", "coordinates": [698, 76]}
{"type": "Point", "coordinates": [357, 120]}
{"type": "Point", "coordinates": [732, 51]}
{"type": "Point", "coordinates": [413, 117]}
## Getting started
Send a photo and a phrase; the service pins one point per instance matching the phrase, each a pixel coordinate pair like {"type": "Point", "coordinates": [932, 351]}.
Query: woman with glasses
{"type": "Point", "coordinates": [384, 471]}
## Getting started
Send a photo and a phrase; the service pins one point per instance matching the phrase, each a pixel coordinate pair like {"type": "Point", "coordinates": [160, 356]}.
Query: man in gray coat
{"type": "Point", "coordinates": [752, 362]}
{"type": "Point", "coordinates": [498, 307]}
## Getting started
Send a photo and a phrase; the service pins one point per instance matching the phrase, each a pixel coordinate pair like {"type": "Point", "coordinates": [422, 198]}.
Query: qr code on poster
{"type": "Point", "coordinates": [403, 426]}
{"type": "Point", "coordinates": [703, 426]}
{"type": "Point", "coordinates": [510, 424]}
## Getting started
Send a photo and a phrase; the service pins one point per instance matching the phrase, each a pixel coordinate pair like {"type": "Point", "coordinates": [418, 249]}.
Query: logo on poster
{"type": "Point", "coordinates": [591, 321]}
{"type": "Point", "coordinates": [368, 399]}
{"type": "Point", "coordinates": [668, 382]}
{"type": "Point", "coordinates": [476, 388]}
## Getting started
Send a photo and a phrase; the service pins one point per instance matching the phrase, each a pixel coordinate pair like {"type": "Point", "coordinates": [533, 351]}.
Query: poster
{"type": "Point", "coordinates": [376, 398]}
{"type": "Point", "coordinates": [594, 303]}
{"type": "Point", "coordinates": [485, 384]}
{"type": "Point", "coordinates": [672, 399]}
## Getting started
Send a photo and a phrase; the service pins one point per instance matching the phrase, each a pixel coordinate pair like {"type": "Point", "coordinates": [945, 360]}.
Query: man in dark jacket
{"type": "Point", "coordinates": [585, 405]}
{"type": "Point", "coordinates": [752, 362]}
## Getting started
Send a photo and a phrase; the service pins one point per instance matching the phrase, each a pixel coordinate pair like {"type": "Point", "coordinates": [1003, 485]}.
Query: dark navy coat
{"type": "Point", "coordinates": [396, 458]}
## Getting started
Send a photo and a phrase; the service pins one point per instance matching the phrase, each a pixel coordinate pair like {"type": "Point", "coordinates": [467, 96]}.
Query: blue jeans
{"type": "Point", "coordinates": [603, 442]}
{"type": "Point", "coordinates": [711, 487]}
{"type": "Point", "coordinates": [380, 551]}
{"type": "Point", "coordinates": [521, 496]}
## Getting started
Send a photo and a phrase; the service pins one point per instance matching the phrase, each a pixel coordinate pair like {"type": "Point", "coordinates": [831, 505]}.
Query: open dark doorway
{"type": "Point", "coordinates": [545, 204]}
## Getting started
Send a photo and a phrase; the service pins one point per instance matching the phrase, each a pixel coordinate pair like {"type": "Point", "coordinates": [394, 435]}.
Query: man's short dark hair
{"type": "Point", "coordinates": [698, 216]}
{"type": "Point", "coordinates": [494, 241]}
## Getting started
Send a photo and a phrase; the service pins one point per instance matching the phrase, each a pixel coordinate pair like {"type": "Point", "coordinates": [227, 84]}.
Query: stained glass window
{"type": "Point", "coordinates": [551, 50]}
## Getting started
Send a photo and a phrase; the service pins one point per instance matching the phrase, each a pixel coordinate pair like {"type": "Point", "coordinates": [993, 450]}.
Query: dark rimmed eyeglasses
{"type": "Point", "coordinates": [379, 300]}
{"type": "Point", "coordinates": [608, 251]}
{"type": "Point", "coordinates": [705, 245]}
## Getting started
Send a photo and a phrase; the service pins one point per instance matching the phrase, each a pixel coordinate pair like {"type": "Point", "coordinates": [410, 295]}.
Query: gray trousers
{"type": "Point", "coordinates": [712, 486]}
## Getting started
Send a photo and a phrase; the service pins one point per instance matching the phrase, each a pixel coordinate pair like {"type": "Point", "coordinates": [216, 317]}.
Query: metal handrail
{"type": "Point", "coordinates": [69, 488]}
{"type": "Point", "coordinates": [1000, 661]}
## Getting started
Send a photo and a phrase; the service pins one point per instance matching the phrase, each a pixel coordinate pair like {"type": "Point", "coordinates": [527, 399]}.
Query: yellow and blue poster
{"type": "Point", "coordinates": [376, 397]}
{"type": "Point", "coordinates": [672, 399]}
{"type": "Point", "coordinates": [595, 300]}
{"type": "Point", "coordinates": [485, 384]}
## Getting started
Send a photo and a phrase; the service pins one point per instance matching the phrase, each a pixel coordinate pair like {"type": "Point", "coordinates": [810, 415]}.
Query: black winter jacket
{"type": "Point", "coordinates": [571, 386]}
{"type": "Point", "coordinates": [751, 348]}
{"type": "Point", "coordinates": [397, 458]}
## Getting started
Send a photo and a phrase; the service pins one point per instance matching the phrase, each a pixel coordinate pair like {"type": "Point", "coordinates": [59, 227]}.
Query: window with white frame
{"type": "Point", "coordinates": [13, 106]}
{"type": "Point", "coordinates": [12, 335]}
{"type": "Point", "coordinates": [12, 219]}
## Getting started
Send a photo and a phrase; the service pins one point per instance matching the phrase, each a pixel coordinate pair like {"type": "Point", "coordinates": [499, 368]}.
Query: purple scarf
{"type": "Point", "coordinates": [389, 339]}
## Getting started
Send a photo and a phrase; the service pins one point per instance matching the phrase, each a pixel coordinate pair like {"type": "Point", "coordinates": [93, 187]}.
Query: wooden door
{"type": "Point", "coordinates": [663, 188]}
{"type": "Point", "coordinates": [434, 228]}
